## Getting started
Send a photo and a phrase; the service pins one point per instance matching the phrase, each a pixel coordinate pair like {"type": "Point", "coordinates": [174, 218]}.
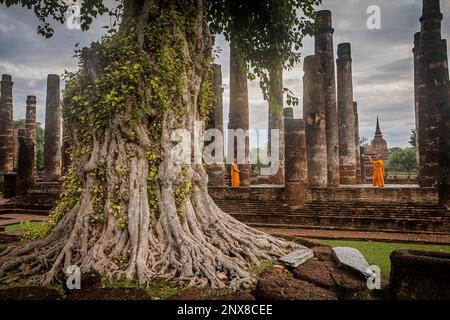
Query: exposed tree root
{"type": "Point", "coordinates": [193, 248]}
{"type": "Point", "coordinates": [114, 230]}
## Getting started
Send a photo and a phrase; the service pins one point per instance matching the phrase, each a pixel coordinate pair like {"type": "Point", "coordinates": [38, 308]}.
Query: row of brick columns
{"type": "Point", "coordinates": [19, 171]}
{"type": "Point", "coordinates": [432, 102]}
{"type": "Point", "coordinates": [329, 112]}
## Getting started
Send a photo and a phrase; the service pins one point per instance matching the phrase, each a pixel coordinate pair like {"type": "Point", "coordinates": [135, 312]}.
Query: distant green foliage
{"type": "Point", "coordinates": [403, 160]}
{"type": "Point", "coordinates": [24, 226]}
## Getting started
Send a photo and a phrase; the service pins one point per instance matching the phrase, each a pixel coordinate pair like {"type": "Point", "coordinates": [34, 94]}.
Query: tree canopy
{"type": "Point", "coordinates": [265, 32]}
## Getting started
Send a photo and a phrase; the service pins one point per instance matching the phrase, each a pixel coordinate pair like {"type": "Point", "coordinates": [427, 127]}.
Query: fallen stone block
{"type": "Point", "coordinates": [352, 260]}
{"type": "Point", "coordinates": [296, 258]}
{"type": "Point", "coordinates": [420, 275]}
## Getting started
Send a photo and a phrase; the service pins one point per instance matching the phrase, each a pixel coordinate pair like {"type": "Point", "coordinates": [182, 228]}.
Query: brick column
{"type": "Point", "coordinates": [25, 163]}
{"type": "Point", "coordinates": [357, 146]}
{"type": "Point", "coordinates": [239, 115]}
{"type": "Point", "coordinates": [6, 126]}
{"type": "Point", "coordinates": [296, 165]}
{"type": "Point", "coordinates": [216, 172]}
{"type": "Point", "coordinates": [418, 97]}
{"type": "Point", "coordinates": [324, 49]}
{"type": "Point", "coordinates": [346, 117]}
{"type": "Point", "coordinates": [30, 122]}
{"type": "Point", "coordinates": [276, 118]}
{"type": "Point", "coordinates": [314, 116]}
{"type": "Point", "coordinates": [52, 144]}
{"type": "Point", "coordinates": [433, 89]}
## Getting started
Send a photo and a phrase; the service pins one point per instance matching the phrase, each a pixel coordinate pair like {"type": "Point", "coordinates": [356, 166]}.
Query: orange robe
{"type": "Point", "coordinates": [378, 173]}
{"type": "Point", "coordinates": [235, 181]}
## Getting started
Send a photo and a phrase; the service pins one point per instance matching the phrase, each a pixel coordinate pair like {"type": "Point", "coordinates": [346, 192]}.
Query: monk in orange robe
{"type": "Point", "coordinates": [235, 181]}
{"type": "Point", "coordinates": [378, 171]}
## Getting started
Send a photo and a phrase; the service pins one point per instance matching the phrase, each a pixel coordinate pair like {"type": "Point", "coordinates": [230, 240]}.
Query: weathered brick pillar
{"type": "Point", "coordinates": [346, 117]}
{"type": "Point", "coordinates": [314, 117]}
{"type": "Point", "coordinates": [444, 155]}
{"type": "Point", "coordinates": [30, 122]}
{"type": "Point", "coordinates": [239, 115]}
{"type": "Point", "coordinates": [324, 49]}
{"type": "Point", "coordinates": [433, 72]}
{"type": "Point", "coordinates": [296, 165]}
{"type": "Point", "coordinates": [418, 96]}
{"type": "Point", "coordinates": [6, 126]}
{"type": "Point", "coordinates": [357, 147]}
{"type": "Point", "coordinates": [25, 163]}
{"type": "Point", "coordinates": [52, 142]}
{"type": "Point", "coordinates": [276, 118]}
{"type": "Point", "coordinates": [362, 155]}
{"type": "Point", "coordinates": [216, 172]}
{"type": "Point", "coordinates": [434, 121]}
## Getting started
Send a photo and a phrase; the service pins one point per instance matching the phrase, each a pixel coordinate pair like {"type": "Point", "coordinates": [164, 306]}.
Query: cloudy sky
{"type": "Point", "coordinates": [382, 62]}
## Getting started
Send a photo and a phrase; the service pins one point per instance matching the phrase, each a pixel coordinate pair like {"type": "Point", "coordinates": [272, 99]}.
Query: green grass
{"type": "Point", "coordinates": [24, 226]}
{"type": "Point", "coordinates": [402, 174]}
{"type": "Point", "coordinates": [377, 253]}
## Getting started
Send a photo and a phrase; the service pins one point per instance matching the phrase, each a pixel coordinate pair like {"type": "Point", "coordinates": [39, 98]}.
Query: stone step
{"type": "Point", "coordinates": [35, 212]}
{"type": "Point", "coordinates": [415, 215]}
{"type": "Point", "coordinates": [356, 223]}
{"type": "Point", "coordinates": [267, 226]}
{"type": "Point", "coordinates": [8, 237]}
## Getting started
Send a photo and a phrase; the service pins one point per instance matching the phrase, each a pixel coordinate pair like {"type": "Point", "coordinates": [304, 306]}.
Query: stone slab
{"type": "Point", "coordinates": [297, 258]}
{"type": "Point", "coordinates": [352, 260]}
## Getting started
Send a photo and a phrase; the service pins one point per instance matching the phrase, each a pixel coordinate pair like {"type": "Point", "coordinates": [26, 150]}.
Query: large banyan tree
{"type": "Point", "coordinates": [128, 208]}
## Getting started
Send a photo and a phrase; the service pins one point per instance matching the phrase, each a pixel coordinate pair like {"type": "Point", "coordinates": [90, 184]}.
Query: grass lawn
{"type": "Point", "coordinates": [377, 253]}
{"type": "Point", "coordinates": [23, 227]}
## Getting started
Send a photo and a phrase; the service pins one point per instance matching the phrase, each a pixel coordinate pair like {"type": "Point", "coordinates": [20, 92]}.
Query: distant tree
{"type": "Point", "coordinates": [403, 159]}
{"type": "Point", "coordinates": [394, 149]}
{"type": "Point", "coordinates": [413, 138]}
{"type": "Point", "coordinates": [39, 142]}
{"type": "Point", "coordinates": [364, 142]}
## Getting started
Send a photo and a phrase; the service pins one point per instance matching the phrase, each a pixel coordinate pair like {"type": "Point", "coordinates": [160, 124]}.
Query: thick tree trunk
{"type": "Point", "coordinates": [129, 220]}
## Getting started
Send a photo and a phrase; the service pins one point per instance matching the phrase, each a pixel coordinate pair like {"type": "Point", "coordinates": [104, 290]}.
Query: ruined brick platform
{"type": "Point", "coordinates": [395, 209]}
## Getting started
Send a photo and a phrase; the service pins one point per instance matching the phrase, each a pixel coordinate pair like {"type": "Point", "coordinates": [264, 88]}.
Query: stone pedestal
{"type": "Point", "coordinates": [239, 116]}
{"type": "Point", "coordinates": [314, 117]}
{"type": "Point", "coordinates": [9, 185]}
{"type": "Point", "coordinates": [346, 117]}
{"type": "Point", "coordinates": [276, 119]}
{"type": "Point", "coordinates": [419, 275]}
{"type": "Point", "coordinates": [216, 172]}
{"type": "Point", "coordinates": [296, 165]}
{"type": "Point", "coordinates": [324, 49]}
{"type": "Point", "coordinates": [30, 122]}
{"type": "Point", "coordinates": [52, 144]}
{"type": "Point", "coordinates": [6, 125]}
